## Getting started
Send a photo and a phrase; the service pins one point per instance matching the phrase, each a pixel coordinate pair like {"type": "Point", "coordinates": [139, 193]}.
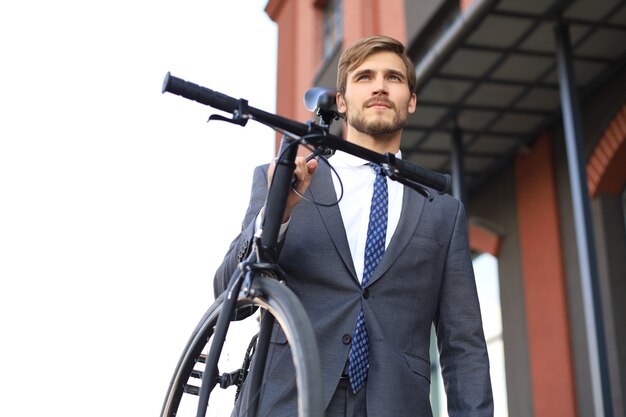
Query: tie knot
{"type": "Point", "coordinates": [377, 169]}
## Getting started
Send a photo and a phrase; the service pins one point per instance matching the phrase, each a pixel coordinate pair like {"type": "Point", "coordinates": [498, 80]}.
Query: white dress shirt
{"type": "Point", "coordinates": [358, 178]}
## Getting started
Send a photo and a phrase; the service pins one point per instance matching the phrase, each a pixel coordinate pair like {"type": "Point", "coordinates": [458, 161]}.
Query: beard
{"type": "Point", "coordinates": [377, 126]}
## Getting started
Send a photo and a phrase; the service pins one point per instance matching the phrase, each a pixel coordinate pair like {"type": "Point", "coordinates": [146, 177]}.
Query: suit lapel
{"type": "Point", "coordinates": [323, 191]}
{"type": "Point", "coordinates": [412, 207]}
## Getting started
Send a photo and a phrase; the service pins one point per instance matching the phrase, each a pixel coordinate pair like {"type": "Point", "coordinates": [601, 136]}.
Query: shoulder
{"type": "Point", "coordinates": [446, 200]}
{"type": "Point", "coordinates": [442, 209]}
{"type": "Point", "coordinates": [261, 171]}
{"type": "Point", "coordinates": [440, 200]}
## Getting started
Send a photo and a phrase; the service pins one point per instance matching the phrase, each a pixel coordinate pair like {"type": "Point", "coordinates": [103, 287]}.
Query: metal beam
{"type": "Point", "coordinates": [450, 39]}
{"type": "Point", "coordinates": [458, 170]}
{"type": "Point", "coordinates": [589, 278]}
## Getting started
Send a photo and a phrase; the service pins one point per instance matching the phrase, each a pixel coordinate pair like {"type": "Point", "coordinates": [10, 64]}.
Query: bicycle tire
{"type": "Point", "coordinates": [277, 299]}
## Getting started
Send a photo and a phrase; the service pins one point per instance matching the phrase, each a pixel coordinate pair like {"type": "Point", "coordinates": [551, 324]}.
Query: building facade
{"type": "Point", "coordinates": [524, 104]}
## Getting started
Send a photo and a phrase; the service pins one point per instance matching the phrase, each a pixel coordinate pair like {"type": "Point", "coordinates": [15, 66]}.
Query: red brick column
{"type": "Point", "coordinates": [483, 240]}
{"type": "Point", "coordinates": [545, 295]}
{"type": "Point", "coordinates": [606, 169]}
{"type": "Point", "coordinates": [373, 17]}
{"type": "Point", "coordinates": [300, 26]}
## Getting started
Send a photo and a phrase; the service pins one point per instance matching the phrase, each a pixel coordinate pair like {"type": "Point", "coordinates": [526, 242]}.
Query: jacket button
{"type": "Point", "coordinates": [366, 293]}
{"type": "Point", "coordinates": [346, 339]}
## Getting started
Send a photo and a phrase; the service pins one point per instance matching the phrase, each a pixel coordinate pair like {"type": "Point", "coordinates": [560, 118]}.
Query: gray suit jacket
{"type": "Point", "coordinates": [425, 277]}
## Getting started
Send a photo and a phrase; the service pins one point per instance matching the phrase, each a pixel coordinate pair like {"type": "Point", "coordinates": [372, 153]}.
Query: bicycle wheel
{"type": "Point", "coordinates": [279, 301]}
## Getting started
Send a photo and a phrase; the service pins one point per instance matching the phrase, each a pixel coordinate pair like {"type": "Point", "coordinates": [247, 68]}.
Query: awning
{"type": "Point", "coordinates": [492, 73]}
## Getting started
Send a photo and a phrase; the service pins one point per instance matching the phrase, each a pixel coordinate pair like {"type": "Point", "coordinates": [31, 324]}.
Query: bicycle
{"type": "Point", "coordinates": [259, 283]}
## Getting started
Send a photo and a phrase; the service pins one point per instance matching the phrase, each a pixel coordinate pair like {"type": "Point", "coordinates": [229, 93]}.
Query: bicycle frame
{"type": "Point", "coordinates": [262, 260]}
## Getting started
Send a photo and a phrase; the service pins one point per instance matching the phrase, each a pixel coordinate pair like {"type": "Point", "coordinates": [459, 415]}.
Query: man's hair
{"type": "Point", "coordinates": [362, 49]}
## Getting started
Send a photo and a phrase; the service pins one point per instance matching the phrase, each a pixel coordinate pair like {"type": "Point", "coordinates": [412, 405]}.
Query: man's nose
{"type": "Point", "coordinates": [380, 86]}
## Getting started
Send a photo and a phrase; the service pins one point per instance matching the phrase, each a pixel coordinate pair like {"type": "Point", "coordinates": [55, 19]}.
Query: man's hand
{"type": "Point", "coordinates": [303, 174]}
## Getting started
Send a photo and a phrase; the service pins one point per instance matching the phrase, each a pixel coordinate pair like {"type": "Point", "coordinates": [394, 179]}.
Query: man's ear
{"type": "Point", "coordinates": [341, 103]}
{"type": "Point", "coordinates": [412, 103]}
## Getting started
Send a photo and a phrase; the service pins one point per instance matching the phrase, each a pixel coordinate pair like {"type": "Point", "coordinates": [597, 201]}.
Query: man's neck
{"type": "Point", "coordinates": [382, 145]}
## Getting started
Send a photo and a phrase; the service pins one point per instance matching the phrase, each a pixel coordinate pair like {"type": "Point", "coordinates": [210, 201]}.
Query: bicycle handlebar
{"type": "Point", "coordinates": [315, 134]}
{"type": "Point", "coordinates": [229, 104]}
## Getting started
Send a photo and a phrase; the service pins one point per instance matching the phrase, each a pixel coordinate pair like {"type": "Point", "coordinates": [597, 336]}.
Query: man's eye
{"type": "Point", "coordinates": [363, 77]}
{"type": "Point", "coordinates": [395, 77]}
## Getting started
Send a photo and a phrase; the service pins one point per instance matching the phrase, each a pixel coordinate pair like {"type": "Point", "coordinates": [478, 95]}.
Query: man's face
{"type": "Point", "coordinates": [377, 100]}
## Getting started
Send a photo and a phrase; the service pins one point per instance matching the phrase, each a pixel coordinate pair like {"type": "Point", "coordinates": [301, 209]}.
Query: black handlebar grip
{"type": "Point", "coordinates": [200, 94]}
{"type": "Point", "coordinates": [229, 104]}
{"type": "Point", "coordinates": [432, 179]}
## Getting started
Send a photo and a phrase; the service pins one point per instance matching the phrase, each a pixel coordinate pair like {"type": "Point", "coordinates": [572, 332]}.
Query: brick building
{"type": "Point", "coordinates": [524, 103]}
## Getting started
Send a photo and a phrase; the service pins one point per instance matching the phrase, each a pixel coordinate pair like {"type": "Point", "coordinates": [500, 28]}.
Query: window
{"type": "Point", "coordinates": [333, 26]}
{"type": "Point", "coordinates": [488, 286]}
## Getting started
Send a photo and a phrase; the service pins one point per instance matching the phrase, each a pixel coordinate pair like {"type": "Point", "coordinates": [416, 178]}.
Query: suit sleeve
{"type": "Point", "coordinates": [463, 351]}
{"type": "Point", "coordinates": [242, 245]}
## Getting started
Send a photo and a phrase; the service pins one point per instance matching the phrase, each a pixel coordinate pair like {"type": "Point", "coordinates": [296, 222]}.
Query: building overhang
{"type": "Point", "coordinates": [490, 75]}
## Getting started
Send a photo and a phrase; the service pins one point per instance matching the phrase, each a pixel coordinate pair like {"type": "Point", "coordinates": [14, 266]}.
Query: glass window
{"type": "Point", "coordinates": [488, 286]}
{"type": "Point", "coordinates": [333, 26]}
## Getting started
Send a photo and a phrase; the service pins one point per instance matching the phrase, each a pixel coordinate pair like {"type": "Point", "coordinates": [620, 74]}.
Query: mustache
{"type": "Point", "coordinates": [379, 99]}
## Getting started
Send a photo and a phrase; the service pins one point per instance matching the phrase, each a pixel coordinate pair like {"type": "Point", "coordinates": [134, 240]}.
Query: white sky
{"type": "Point", "coordinates": [117, 202]}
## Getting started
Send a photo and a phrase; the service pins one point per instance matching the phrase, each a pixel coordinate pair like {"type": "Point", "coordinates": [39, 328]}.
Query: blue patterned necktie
{"type": "Point", "coordinates": [374, 249]}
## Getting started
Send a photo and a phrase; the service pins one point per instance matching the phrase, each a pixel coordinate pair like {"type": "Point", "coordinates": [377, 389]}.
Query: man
{"type": "Point", "coordinates": [372, 315]}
